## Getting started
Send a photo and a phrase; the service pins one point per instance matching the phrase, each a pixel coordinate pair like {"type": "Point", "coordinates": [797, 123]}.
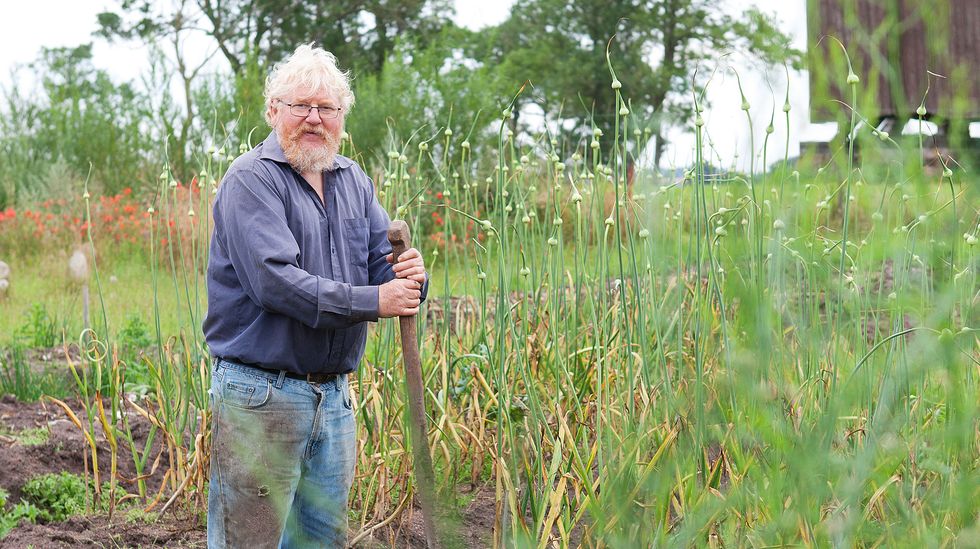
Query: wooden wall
{"type": "Point", "coordinates": [892, 44]}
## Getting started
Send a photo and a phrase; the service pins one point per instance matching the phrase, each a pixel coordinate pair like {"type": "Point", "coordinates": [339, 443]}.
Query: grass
{"type": "Point", "coordinates": [128, 291]}
{"type": "Point", "coordinates": [29, 382]}
{"type": "Point", "coordinates": [27, 437]}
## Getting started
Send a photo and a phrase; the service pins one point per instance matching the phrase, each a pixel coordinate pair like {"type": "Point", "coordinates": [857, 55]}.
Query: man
{"type": "Point", "coordinates": [300, 261]}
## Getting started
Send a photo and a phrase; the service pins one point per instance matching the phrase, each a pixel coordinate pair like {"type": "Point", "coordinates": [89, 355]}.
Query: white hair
{"type": "Point", "coordinates": [308, 67]}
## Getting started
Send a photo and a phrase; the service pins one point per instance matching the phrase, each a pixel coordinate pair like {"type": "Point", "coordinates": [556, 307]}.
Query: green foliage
{"type": "Point", "coordinates": [40, 328]}
{"type": "Point", "coordinates": [76, 119]}
{"type": "Point", "coordinates": [18, 378]}
{"type": "Point", "coordinates": [30, 437]}
{"type": "Point", "coordinates": [252, 37]}
{"type": "Point", "coordinates": [137, 515]}
{"type": "Point", "coordinates": [680, 34]}
{"type": "Point", "coordinates": [10, 519]}
{"type": "Point", "coordinates": [232, 108]}
{"type": "Point", "coordinates": [448, 93]}
{"type": "Point", "coordinates": [134, 334]}
{"type": "Point", "coordinates": [132, 339]}
{"type": "Point", "coordinates": [361, 32]}
{"type": "Point", "coordinates": [57, 496]}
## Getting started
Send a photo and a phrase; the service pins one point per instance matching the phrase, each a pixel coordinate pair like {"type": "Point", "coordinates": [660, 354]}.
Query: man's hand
{"type": "Point", "coordinates": [410, 266]}
{"type": "Point", "coordinates": [399, 297]}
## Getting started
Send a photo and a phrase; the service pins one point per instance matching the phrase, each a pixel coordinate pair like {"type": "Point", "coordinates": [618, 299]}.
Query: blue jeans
{"type": "Point", "coordinates": [282, 459]}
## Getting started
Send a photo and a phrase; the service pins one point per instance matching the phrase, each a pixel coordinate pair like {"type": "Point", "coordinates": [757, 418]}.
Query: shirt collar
{"type": "Point", "coordinates": [272, 150]}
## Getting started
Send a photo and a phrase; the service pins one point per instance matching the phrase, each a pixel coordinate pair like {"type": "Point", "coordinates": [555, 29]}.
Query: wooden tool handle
{"type": "Point", "coordinates": [400, 238]}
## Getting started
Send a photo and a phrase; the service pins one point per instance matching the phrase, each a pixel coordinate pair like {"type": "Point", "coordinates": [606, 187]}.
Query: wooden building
{"type": "Point", "coordinates": [894, 45]}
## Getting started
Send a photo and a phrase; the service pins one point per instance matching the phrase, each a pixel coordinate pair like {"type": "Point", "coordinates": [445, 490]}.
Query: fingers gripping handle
{"type": "Point", "coordinates": [399, 237]}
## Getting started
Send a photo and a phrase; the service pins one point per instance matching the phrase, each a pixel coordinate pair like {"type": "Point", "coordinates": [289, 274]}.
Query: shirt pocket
{"type": "Point", "coordinates": [357, 232]}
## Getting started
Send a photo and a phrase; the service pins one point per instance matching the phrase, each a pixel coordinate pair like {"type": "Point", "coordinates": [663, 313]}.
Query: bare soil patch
{"type": "Point", "coordinates": [171, 530]}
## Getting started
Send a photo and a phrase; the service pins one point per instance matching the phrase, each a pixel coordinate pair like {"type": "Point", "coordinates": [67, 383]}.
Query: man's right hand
{"type": "Point", "coordinates": [399, 297]}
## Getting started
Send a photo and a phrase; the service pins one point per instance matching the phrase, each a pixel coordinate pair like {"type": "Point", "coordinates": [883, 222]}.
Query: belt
{"type": "Point", "coordinates": [309, 378]}
{"type": "Point", "coordinates": [312, 378]}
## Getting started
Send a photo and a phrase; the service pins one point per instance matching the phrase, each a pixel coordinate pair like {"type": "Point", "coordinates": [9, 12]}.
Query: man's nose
{"type": "Point", "coordinates": [314, 117]}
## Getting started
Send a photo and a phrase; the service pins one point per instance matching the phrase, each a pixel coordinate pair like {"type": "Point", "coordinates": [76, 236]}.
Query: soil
{"type": "Point", "coordinates": [472, 529]}
{"type": "Point", "coordinates": [98, 531]}
{"type": "Point", "coordinates": [65, 448]}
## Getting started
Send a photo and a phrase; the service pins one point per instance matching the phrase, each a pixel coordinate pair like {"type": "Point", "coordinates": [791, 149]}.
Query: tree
{"type": "Point", "coordinates": [429, 89]}
{"type": "Point", "coordinates": [252, 35]}
{"type": "Point", "coordinates": [361, 33]}
{"type": "Point", "coordinates": [560, 46]}
{"type": "Point", "coordinates": [76, 119]}
{"type": "Point", "coordinates": [159, 29]}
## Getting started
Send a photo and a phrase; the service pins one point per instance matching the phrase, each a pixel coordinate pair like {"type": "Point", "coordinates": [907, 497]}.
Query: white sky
{"type": "Point", "coordinates": [27, 26]}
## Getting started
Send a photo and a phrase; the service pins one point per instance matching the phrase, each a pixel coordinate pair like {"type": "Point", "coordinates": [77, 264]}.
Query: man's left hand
{"type": "Point", "coordinates": [410, 265]}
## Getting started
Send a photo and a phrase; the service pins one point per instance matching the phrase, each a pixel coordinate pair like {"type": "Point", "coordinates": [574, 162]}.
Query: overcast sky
{"type": "Point", "coordinates": [27, 26]}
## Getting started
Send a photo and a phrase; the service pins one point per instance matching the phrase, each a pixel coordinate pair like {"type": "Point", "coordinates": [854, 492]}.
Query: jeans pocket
{"type": "Point", "coordinates": [344, 385]}
{"type": "Point", "coordinates": [243, 391]}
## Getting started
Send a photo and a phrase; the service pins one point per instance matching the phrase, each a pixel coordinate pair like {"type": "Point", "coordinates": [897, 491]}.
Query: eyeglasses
{"type": "Point", "coordinates": [302, 110]}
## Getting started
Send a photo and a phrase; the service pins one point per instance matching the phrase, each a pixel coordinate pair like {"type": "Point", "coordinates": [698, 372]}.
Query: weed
{"type": "Point", "coordinates": [18, 379]}
{"type": "Point", "coordinates": [132, 340]}
{"type": "Point", "coordinates": [134, 334]}
{"type": "Point", "coordinates": [40, 329]}
{"type": "Point", "coordinates": [137, 515]}
{"type": "Point", "coordinates": [57, 496]}
{"type": "Point", "coordinates": [19, 512]}
{"type": "Point", "coordinates": [30, 437]}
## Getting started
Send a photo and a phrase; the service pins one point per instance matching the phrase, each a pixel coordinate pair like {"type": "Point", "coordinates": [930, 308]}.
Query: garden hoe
{"type": "Point", "coordinates": [399, 237]}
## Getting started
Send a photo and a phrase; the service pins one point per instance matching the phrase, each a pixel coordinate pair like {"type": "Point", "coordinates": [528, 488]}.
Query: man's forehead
{"type": "Point", "coordinates": [304, 94]}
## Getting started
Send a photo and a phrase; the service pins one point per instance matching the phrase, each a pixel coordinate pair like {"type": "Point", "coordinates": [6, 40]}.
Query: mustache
{"type": "Point", "coordinates": [307, 128]}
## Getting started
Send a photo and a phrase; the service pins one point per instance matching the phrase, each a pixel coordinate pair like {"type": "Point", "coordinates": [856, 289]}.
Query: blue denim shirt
{"type": "Point", "coordinates": [293, 280]}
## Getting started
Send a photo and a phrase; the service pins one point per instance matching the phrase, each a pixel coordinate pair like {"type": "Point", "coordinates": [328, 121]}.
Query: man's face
{"type": "Point", "coordinates": [309, 143]}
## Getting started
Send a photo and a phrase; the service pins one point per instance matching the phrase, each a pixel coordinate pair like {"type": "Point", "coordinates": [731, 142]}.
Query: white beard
{"type": "Point", "coordinates": [305, 157]}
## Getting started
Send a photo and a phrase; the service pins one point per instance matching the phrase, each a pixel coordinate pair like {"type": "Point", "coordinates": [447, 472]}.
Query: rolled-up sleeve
{"type": "Point", "coordinates": [251, 220]}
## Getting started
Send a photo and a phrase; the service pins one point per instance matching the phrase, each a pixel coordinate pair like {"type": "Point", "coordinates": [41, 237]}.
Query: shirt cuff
{"type": "Point", "coordinates": [425, 287]}
{"type": "Point", "coordinates": [364, 303]}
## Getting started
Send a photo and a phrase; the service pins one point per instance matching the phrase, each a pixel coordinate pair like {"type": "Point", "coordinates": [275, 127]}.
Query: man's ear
{"type": "Point", "coordinates": [271, 112]}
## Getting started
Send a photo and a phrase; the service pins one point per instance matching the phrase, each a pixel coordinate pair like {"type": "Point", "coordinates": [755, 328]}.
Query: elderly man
{"type": "Point", "coordinates": [299, 263]}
